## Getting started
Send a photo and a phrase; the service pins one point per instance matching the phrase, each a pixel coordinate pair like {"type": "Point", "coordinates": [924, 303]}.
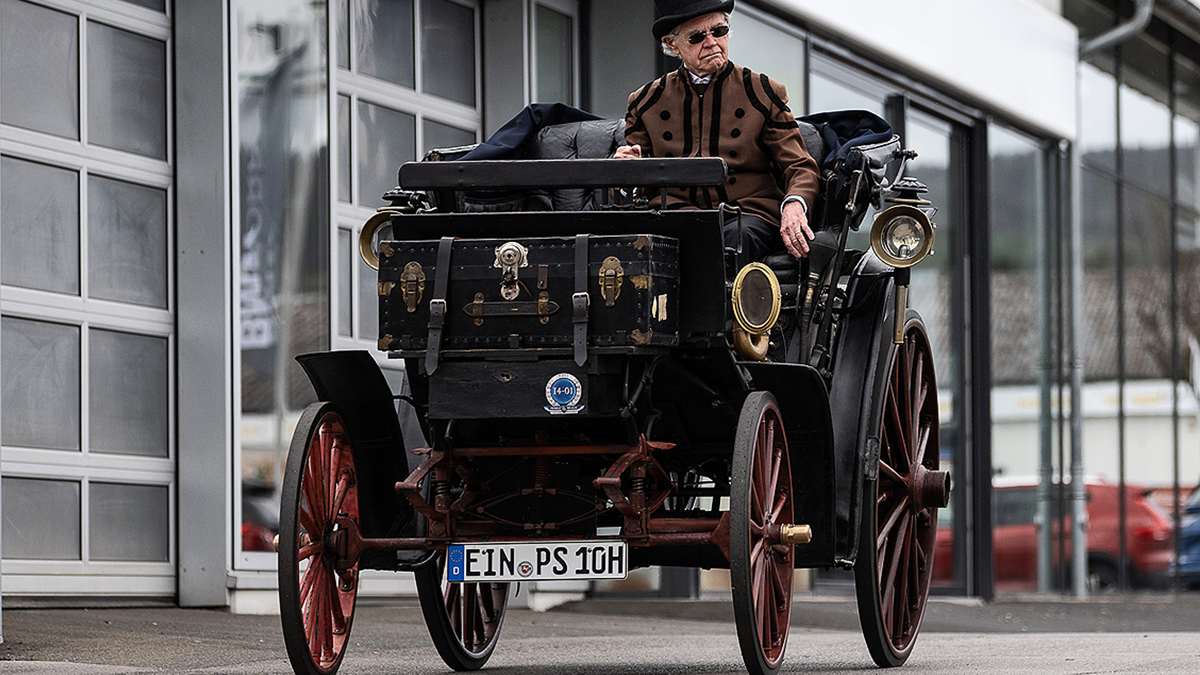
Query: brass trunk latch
{"type": "Point", "coordinates": [412, 285]}
{"type": "Point", "coordinates": [611, 276]}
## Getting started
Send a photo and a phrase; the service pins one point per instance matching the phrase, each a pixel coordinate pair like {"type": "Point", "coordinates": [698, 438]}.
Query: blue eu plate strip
{"type": "Point", "coordinates": [454, 562]}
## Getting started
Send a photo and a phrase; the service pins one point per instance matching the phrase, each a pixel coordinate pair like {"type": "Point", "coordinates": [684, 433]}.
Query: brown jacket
{"type": "Point", "coordinates": [740, 116]}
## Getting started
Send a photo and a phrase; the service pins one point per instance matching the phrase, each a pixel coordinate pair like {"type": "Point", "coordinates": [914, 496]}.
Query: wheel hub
{"type": "Point", "coordinates": [929, 488]}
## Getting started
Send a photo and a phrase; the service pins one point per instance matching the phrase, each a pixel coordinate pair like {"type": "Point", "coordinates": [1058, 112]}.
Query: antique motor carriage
{"type": "Point", "coordinates": [600, 386]}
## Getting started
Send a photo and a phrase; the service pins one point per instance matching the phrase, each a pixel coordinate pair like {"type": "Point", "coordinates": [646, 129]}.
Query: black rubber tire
{"type": "Point", "coordinates": [443, 605]}
{"type": "Point", "coordinates": [892, 588]}
{"type": "Point", "coordinates": [321, 435]}
{"type": "Point", "coordinates": [761, 575]}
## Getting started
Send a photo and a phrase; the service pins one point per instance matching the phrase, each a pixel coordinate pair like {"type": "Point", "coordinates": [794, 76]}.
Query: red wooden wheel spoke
{"type": "Point", "coordinates": [922, 443]}
{"type": "Point", "coordinates": [307, 552]}
{"type": "Point", "coordinates": [777, 511]}
{"type": "Point", "coordinates": [886, 470]}
{"type": "Point", "coordinates": [894, 516]}
{"type": "Point", "coordinates": [309, 524]}
{"type": "Point", "coordinates": [339, 494]}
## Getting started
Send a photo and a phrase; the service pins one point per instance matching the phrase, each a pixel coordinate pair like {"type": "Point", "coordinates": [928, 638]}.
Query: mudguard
{"type": "Point", "coordinates": [353, 381]}
{"type": "Point", "coordinates": [860, 368]}
{"type": "Point", "coordinates": [804, 404]}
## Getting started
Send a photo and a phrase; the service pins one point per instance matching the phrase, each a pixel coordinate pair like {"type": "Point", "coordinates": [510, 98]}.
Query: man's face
{"type": "Point", "coordinates": [711, 54]}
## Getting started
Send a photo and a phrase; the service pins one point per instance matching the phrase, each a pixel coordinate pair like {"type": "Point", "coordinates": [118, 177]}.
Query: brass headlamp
{"type": "Point", "coordinates": [756, 301]}
{"type": "Point", "coordinates": [902, 236]}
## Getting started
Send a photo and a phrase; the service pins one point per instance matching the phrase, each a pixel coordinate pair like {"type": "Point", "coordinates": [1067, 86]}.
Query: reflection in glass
{"type": "Point", "coordinates": [1100, 334]}
{"type": "Point", "coordinates": [386, 139]}
{"type": "Point", "coordinates": [341, 18]}
{"type": "Point", "coordinates": [1098, 126]}
{"type": "Point", "coordinates": [39, 68]}
{"type": "Point", "coordinates": [1022, 325]}
{"type": "Point", "coordinates": [283, 225]}
{"type": "Point", "coordinates": [829, 94]}
{"type": "Point", "coordinates": [384, 35]}
{"type": "Point", "coordinates": [41, 519]}
{"type": "Point", "coordinates": [764, 48]}
{"type": "Point", "coordinates": [1147, 285]}
{"type": "Point", "coordinates": [128, 522]}
{"type": "Point", "coordinates": [1187, 132]}
{"type": "Point", "coordinates": [127, 384]}
{"type": "Point", "coordinates": [347, 252]}
{"type": "Point", "coordinates": [368, 300]}
{"type": "Point", "coordinates": [555, 57]}
{"type": "Point", "coordinates": [39, 226]}
{"type": "Point", "coordinates": [934, 292]}
{"type": "Point", "coordinates": [127, 242]}
{"type": "Point", "coordinates": [343, 150]}
{"type": "Point", "coordinates": [448, 50]}
{"type": "Point", "coordinates": [445, 136]}
{"type": "Point", "coordinates": [149, 4]}
{"type": "Point", "coordinates": [1146, 140]}
{"type": "Point", "coordinates": [39, 367]}
{"type": "Point", "coordinates": [127, 91]}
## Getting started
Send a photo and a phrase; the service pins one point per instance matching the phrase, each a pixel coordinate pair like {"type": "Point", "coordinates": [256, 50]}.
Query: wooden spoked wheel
{"type": "Point", "coordinates": [899, 514]}
{"type": "Point", "coordinates": [316, 597]}
{"type": "Point", "coordinates": [760, 502]}
{"type": "Point", "coordinates": [463, 619]}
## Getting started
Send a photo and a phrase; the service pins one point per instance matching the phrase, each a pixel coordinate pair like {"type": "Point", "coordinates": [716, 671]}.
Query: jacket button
{"type": "Point", "coordinates": [733, 153]}
{"type": "Point", "coordinates": [665, 115]}
{"type": "Point", "coordinates": [735, 133]}
{"type": "Point", "coordinates": [669, 154]}
{"type": "Point", "coordinates": [732, 180]}
{"type": "Point", "coordinates": [667, 136]}
{"type": "Point", "coordinates": [739, 113]}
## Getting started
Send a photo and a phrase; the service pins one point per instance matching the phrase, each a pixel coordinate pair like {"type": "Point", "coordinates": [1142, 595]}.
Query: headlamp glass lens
{"type": "Point", "coordinates": [903, 237]}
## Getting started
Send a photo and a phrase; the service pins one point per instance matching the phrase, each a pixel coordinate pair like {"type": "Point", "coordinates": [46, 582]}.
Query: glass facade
{"type": "Point", "coordinates": [87, 333]}
{"type": "Point", "coordinates": [1139, 405]}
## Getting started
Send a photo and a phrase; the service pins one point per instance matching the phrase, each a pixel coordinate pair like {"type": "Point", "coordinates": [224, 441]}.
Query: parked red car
{"type": "Point", "coordinates": [1015, 538]}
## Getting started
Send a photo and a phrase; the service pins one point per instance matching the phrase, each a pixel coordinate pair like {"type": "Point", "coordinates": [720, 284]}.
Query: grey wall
{"type": "Point", "coordinates": [204, 315]}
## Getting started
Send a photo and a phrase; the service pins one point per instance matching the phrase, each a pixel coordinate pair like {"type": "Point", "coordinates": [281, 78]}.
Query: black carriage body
{"type": "Point", "coordinates": [630, 286]}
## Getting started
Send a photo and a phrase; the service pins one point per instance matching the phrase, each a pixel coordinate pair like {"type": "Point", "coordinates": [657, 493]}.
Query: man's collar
{"type": "Point", "coordinates": [697, 80]}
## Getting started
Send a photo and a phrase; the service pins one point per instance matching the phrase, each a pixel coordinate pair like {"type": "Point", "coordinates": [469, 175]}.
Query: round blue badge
{"type": "Point", "coordinates": [563, 393]}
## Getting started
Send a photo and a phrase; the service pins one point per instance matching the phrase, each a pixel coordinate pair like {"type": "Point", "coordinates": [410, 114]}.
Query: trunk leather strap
{"type": "Point", "coordinates": [437, 305]}
{"type": "Point", "coordinates": [579, 300]}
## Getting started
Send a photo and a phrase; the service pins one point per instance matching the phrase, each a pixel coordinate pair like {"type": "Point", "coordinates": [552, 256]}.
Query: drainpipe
{"type": "Point", "coordinates": [1118, 34]}
{"type": "Point", "coordinates": [1141, 18]}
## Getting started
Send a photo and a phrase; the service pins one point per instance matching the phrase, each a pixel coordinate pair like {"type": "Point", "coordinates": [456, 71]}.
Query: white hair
{"type": "Point", "coordinates": [674, 35]}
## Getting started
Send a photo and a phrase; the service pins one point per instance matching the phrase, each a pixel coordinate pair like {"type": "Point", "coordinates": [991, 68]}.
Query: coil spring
{"type": "Point", "coordinates": [441, 487]}
{"type": "Point", "coordinates": [541, 472]}
{"type": "Point", "coordinates": [637, 484]}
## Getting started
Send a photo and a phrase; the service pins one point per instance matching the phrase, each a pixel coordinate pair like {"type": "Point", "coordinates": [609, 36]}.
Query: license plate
{"type": "Point", "coordinates": [540, 561]}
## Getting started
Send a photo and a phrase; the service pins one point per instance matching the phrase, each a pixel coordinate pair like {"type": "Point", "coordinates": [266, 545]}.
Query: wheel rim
{"type": "Point", "coordinates": [464, 619]}
{"type": "Point", "coordinates": [323, 596]}
{"type": "Point", "coordinates": [761, 502]}
{"type": "Point", "coordinates": [907, 493]}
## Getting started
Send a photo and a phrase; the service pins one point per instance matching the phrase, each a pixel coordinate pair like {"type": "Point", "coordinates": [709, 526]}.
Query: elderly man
{"type": "Point", "coordinates": [712, 107]}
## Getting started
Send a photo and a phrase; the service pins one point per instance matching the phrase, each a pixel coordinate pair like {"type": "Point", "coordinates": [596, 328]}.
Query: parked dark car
{"type": "Point", "coordinates": [1189, 546]}
{"type": "Point", "coordinates": [1015, 538]}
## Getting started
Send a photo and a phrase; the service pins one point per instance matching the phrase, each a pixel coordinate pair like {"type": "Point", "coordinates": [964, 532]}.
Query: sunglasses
{"type": "Point", "coordinates": [717, 32]}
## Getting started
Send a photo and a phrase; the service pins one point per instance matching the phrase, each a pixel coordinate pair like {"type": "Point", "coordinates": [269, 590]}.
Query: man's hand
{"type": "Point", "coordinates": [795, 231]}
{"type": "Point", "coordinates": [628, 152]}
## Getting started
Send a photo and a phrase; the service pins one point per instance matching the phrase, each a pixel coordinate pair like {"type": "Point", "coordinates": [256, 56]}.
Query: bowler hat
{"type": "Point", "coordinates": [674, 12]}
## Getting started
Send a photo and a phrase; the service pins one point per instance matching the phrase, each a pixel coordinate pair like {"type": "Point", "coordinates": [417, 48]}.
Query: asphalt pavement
{"type": "Point", "coordinates": [1135, 633]}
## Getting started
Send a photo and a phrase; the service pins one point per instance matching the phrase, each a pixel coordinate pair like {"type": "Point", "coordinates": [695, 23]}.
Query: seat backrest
{"type": "Point", "coordinates": [594, 139]}
{"type": "Point", "coordinates": [813, 141]}
{"type": "Point", "coordinates": [591, 139]}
